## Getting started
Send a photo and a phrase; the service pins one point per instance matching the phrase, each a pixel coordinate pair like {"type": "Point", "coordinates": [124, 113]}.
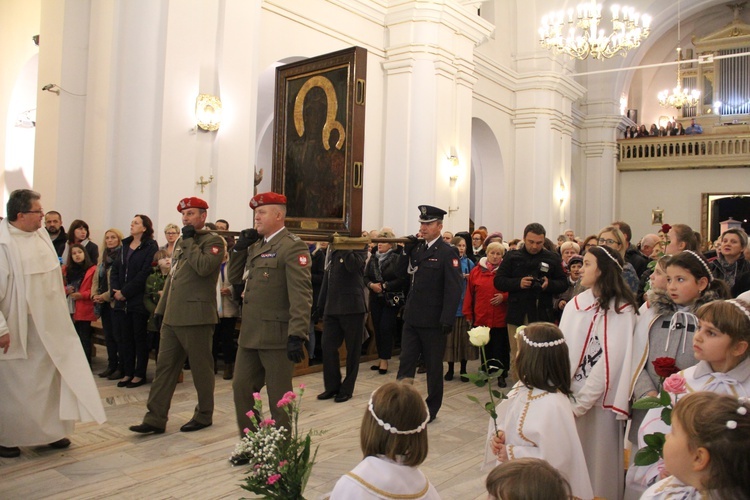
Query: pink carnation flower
{"type": "Point", "coordinates": [282, 463]}
{"type": "Point", "coordinates": [268, 422]}
{"type": "Point", "coordinates": [272, 479]}
{"type": "Point", "coordinates": [256, 395]}
{"type": "Point", "coordinates": [675, 384]}
{"type": "Point", "coordinates": [250, 414]}
{"type": "Point", "coordinates": [290, 395]}
{"type": "Point", "coordinates": [283, 402]}
{"type": "Point", "coordinates": [302, 386]}
{"type": "Point", "coordinates": [246, 430]}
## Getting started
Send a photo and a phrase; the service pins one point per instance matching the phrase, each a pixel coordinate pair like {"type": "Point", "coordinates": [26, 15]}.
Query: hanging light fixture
{"type": "Point", "coordinates": [679, 98]}
{"type": "Point", "coordinates": [584, 38]}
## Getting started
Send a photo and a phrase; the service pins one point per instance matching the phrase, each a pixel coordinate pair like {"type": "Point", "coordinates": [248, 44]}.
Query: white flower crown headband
{"type": "Point", "coordinates": [740, 307]}
{"type": "Point", "coordinates": [612, 257]}
{"type": "Point", "coordinates": [705, 266]}
{"type": "Point", "coordinates": [530, 342]}
{"type": "Point", "coordinates": [390, 428]}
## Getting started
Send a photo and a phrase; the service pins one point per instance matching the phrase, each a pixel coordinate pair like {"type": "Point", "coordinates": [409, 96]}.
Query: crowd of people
{"type": "Point", "coordinates": [671, 128]}
{"type": "Point", "coordinates": [575, 328]}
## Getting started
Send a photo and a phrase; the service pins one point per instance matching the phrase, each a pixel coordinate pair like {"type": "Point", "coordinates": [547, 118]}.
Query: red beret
{"type": "Point", "coordinates": [191, 202]}
{"type": "Point", "coordinates": [269, 198]}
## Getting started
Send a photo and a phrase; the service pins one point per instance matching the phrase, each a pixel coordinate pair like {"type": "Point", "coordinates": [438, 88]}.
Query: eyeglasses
{"type": "Point", "coordinates": [171, 233]}
{"type": "Point", "coordinates": [610, 241]}
{"type": "Point", "coordinates": [476, 238]}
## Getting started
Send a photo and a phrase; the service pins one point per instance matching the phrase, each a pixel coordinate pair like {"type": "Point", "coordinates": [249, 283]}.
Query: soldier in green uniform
{"type": "Point", "coordinates": [275, 266]}
{"type": "Point", "coordinates": [187, 312]}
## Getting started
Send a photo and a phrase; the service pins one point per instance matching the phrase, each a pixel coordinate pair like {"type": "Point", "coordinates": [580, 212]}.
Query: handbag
{"type": "Point", "coordinates": [394, 299]}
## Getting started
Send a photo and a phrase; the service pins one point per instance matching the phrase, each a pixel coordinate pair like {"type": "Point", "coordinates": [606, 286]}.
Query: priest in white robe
{"type": "Point", "coordinates": [46, 384]}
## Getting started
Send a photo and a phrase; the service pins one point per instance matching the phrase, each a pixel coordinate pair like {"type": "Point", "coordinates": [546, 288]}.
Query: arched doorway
{"type": "Point", "coordinates": [488, 183]}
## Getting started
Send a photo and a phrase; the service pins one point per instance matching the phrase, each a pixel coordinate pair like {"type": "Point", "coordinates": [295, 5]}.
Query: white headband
{"type": "Point", "coordinates": [740, 307]}
{"type": "Point", "coordinates": [552, 343]}
{"type": "Point", "coordinates": [612, 257]}
{"type": "Point", "coordinates": [705, 266]}
{"type": "Point", "coordinates": [388, 427]}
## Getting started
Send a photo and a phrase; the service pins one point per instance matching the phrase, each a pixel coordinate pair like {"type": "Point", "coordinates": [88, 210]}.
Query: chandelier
{"type": "Point", "coordinates": [584, 37]}
{"type": "Point", "coordinates": [679, 98]}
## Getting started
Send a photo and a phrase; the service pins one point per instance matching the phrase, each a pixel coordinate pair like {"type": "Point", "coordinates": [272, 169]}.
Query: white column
{"type": "Point", "coordinates": [544, 128]}
{"type": "Point", "coordinates": [429, 77]}
{"type": "Point", "coordinates": [600, 157]}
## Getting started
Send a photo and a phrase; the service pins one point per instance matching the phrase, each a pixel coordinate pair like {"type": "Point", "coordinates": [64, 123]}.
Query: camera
{"type": "Point", "coordinates": [536, 285]}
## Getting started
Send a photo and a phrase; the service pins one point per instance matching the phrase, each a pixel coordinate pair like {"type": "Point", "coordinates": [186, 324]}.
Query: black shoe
{"type": "Point", "coordinates": [501, 382]}
{"type": "Point", "coordinates": [132, 384]}
{"type": "Point", "coordinates": [106, 373]}
{"type": "Point", "coordinates": [124, 383]}
{"type": "Point", "coordinates": [238, 460]}
{"type": "Point", "coordinates": [10, 451]}
{"type": "Point", "coordinates": [448, 376]}
{"type": "Point", "coordinates": [342, 398]}
{"type": "Point", "coordinates": [328, 394]}
{"type": "Point", "coordinates": [60, 443]}
{"type": "Point", "coordinates": [375, 367]}
{"type": "Point", "coordinates": [463, 379]}
{"type": "Point", "coordinates": [115, 375]}
{"type": "Point", "coordinates": [382, 371]}
{"type": "Point", "coordinates": [146, 429]}
{"type": "Point", "coordinates": [193, 426]}
{"type": "Point", "coordinates": [432, 418]}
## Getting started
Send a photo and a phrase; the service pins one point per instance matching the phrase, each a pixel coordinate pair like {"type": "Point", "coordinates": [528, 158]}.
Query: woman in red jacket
{"type": "Point", "coordinates": [484, 305]}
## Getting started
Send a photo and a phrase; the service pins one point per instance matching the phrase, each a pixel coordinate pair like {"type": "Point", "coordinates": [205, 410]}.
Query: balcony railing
{"type": "Point", "coordinates": [684, 151]}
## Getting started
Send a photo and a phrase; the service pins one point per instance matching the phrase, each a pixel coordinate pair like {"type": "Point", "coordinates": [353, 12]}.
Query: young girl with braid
{"type": "Point", "coordinates": [721, 347]}
{"type": "Point", "coordinates": [706, 451]}
{"type": "Point", "coordinates": [393, 438]}
{"type": "Point", "coordinates": [536, 421]}
{"type": "Point", "coordinates": [598, 327]}
{"type": "Point", "coordinates": [667, 324]}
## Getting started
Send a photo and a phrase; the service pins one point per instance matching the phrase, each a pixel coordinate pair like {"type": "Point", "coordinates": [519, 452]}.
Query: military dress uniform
{"type": "Point", "coordinates": [189, 309]}
{"type": "Point", "coordinates": [430, 310]}
{"type": "Point", "coordinates": [276, 305]}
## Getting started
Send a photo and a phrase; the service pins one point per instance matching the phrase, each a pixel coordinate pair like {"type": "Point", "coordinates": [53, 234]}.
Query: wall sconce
{"type": "Point", "coordinates": [208, 112]}
{"type": "Point", "coordinates": [454, 169]}
{"type": "Point", "coordinates": [561, 193]}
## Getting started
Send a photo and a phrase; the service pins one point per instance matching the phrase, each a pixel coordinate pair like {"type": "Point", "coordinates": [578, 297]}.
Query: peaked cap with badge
{"type": "Point", "coordinates": [428, 213]}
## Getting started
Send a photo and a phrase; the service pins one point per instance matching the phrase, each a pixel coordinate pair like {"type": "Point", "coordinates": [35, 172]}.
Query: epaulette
{"type": "Point", "coordinates": [294, 237]}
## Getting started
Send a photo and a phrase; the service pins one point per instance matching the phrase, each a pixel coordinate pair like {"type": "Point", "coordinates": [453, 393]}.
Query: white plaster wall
{"type": "Point", "coordinates": [677, 192]}
{"type": "Point", "coordinates": [19, 21]}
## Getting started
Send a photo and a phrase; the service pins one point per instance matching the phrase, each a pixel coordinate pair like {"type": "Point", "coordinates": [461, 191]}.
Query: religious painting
{"type": "Point", "coordinates": [657, 216]}
{"type": "Point", "coordinates": [319, 142]}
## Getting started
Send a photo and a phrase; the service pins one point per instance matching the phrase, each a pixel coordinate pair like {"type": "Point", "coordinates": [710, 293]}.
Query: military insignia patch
{"type": "Point", "coordinates": [455, 262]}
{"type": "Point", "coordinates": [215, 250]}
{"type": "Point", "coordinates": [268, 255]}
{"type": "Point", "coordinates": [302, 260]}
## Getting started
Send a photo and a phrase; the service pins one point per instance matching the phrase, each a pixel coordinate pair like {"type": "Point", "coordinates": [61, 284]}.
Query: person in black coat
{"type": "Point", "coordinates": [128, 286]}
{"type": "Point", "coordinates": [431, 304]}
{"type": "Point", "coordinates": [342, 302]}
{"type": "Point", "coordinates": [532, 276]}
{"type": "Point", "coordinates": [385, 277]}
{"type": "Point", "coordinates": [317, 271]}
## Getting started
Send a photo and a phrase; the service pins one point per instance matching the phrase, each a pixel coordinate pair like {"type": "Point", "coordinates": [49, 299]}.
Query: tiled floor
{"type": "Point", "coordinates": [109, 461]}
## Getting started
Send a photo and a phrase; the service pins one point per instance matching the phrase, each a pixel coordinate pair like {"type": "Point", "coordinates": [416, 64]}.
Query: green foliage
{"type": "Point", "coordinates": [483, 378]}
